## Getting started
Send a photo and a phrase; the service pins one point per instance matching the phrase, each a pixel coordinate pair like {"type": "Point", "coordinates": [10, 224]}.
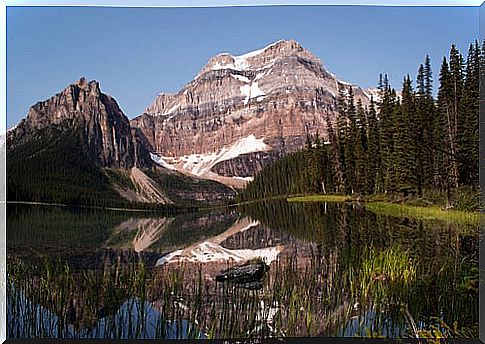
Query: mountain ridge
{"type": "Point", "coordinates": [239, 114]}
{"type": "Point", "coordinates": [277, 94]}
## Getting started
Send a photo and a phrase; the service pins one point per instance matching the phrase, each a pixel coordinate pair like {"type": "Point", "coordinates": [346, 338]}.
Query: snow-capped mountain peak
{"type": "Point", "coordinates": [276, 94]}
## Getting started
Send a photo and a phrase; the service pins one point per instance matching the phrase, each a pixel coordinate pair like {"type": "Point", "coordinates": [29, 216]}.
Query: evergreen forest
{"type": "Point", "coordinates": [405, 145]}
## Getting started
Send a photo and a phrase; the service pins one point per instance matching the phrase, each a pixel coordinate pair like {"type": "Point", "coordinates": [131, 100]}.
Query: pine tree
{"type": "Point", "coordinates": [342, 133]}
{"type": "Point", "coordinates": [419, 117]}
{"type": "Point", "coordinates": [428, 120]}
{"type": "Point", "coordinates": [387, 134]}
{"type": "Point", "coordinates": [360, 149]}
{"type": "Point", "coordinates": [456, 120]}
{"type": "Point", "coordinates": [319, 157]}
{"type": "Point", "coordinates": [350, 144]}
{"type": "Point", "coordinates": [405, 148]}
{"type": "Point", "coordinates": [468, 120]}
{"type": "Point", "coordinates": [428, 77]}
{"type": "Point", "coordinates": [375, 182]}
{"type": "Point", "coordinates": [328, 184]}
{"type": "Point", "coordinates": [334, 157]}
{"type": "Point", "coordinates": [391, 174]}
{"type": "Point", "coordinates": [423, 135]}
{"type": "Point", "coordinates": [380, 85]}
{"type": "Point", "coordinates": [446, 175]}
{"type": "Point", "coordinates": [311, 166]}
{"type": "Point", "coordinates": [420, 80]}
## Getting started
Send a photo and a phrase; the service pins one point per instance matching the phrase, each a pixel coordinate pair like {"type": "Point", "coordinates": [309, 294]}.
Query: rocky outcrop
{"type": "Point", "coordinates": [83, 108]}
{"type": "Point", "coordinates": [277, 94]}
{"type": "Point", "coordinates": [248, 275]}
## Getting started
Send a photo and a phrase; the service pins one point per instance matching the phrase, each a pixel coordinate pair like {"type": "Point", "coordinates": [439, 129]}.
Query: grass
{"type": "Point", "coordinates": [424, 213]}
{"type": "Point", "coordinates": [441, 330]}
{"type": "Point", "coordinates": [383, 207]}
{"type": "Point", "coordinates": [383, 274]}
{"type": "Point", "coordinates": [121, 178]}
{"type": "Point", "coordinates": [319, 198]}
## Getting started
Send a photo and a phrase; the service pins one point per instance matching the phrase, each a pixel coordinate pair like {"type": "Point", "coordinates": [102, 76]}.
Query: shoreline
{"type": "Point", "coordinates": [61, 205]}
{"type": "Point", "coordinates": [387, 207]}
{"type": "Point", "coordinates": [377, 206]}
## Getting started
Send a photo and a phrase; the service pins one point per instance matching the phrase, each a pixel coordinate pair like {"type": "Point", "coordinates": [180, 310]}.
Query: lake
{"type": "Point", "coordinates": [335, 269]}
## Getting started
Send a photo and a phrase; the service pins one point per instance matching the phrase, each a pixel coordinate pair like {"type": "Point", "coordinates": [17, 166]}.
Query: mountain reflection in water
{"type": "Point", "coordinates": [335, 270]}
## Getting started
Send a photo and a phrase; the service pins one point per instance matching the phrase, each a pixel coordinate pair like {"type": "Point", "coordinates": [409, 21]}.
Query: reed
{"type": "Point", "coordinates": [298, 299]}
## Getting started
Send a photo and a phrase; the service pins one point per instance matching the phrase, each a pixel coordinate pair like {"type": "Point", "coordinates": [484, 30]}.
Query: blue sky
{"type": "Point", "coordinates": [135, 53]}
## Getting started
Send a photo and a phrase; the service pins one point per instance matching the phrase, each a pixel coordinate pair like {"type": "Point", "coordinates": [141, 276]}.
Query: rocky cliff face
{"type": "Point", "coordinates": [265, 101]}
{"type": "Point", "coordinates": [105, 130]}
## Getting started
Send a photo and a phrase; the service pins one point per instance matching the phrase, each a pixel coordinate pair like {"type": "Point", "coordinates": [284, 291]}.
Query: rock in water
{"type": "Point", "coordinates": [249, 274]}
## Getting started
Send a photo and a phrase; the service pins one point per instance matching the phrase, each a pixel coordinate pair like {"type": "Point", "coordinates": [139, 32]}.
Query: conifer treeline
{"type": "Point", "coordinates": [404, 144]}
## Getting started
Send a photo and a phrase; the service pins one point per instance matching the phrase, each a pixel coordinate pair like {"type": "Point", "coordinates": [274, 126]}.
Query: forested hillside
{"type": "Point", "coordinates": [407, 146]}
{"type": "Point", "coordinates": [54, 167]}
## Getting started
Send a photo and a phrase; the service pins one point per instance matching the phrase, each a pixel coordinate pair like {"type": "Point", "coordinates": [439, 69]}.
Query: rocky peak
{"type": "Point", "coordinates": [91, 88]}
{"type": "Point", "coordinates": [66, 104]}
{"type": "Point", "coordinates": [228, 80]}
{"type": "Point", "coordinates": [82, 82]}
{"type": "Point", "coordinates": [103, 127]}
{"type": "Point", "coordinates": [260, 58]}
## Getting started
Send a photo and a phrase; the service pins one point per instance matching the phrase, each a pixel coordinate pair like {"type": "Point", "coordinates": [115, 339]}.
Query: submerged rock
{"type": "Point", "coordinates": [248, 275]}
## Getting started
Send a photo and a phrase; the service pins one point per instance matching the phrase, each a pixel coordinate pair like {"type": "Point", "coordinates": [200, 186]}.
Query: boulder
{"type": "Point", "coordinates": [246, 274]}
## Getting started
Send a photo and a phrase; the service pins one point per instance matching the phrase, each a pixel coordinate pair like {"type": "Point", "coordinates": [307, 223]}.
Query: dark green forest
{"type": "Point", "coordinates": [54, 167]}
{"type": "Point", "coordinates": [406, 146]}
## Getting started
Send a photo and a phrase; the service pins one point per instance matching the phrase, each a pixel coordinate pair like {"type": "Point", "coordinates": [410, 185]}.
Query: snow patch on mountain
{"type": "Point", "coordinates": [258, 51]}
{"type": "Point", "coordinates": [240, 62]}
{"type": "Point", "coordinates": [373, 93]}
{"type": "Point", "coordinates": [251, 91]}
{"type": "Point", "coordinates": [161, 162]}
{"type": "Point", "coordinates": [169, 111]}
{"type": "Point", "coordinates": [241, 78]}
{"type": "Point", "coordinates": [201, 164]}
{"type": "Point", "coordinates": [198, 164]}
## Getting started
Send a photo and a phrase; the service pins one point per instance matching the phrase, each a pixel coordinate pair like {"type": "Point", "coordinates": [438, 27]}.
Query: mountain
{"type": "Point", "coordinates": [241, 113]}
{"type": "Point", "coordinates": [99, 121]}
{"type": "Point", "coordinates": [79, 148]}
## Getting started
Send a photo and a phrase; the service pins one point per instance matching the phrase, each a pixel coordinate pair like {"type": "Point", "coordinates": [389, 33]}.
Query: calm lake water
{"type": "Point", "coordinates": [335, 270]}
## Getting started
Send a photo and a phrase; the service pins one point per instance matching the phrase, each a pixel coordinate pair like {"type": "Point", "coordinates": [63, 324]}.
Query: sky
{"type": "Point", "coordinates": [136, 53]}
